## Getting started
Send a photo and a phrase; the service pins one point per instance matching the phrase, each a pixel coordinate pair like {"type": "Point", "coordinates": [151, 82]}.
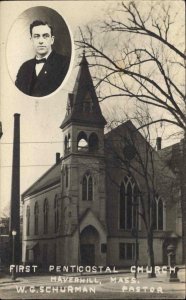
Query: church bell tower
{"type": "Point", "coordinates": [83, 175]}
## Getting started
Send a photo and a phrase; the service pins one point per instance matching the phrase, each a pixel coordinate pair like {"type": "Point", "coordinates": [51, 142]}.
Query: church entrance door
{"type": "Point", "coordinates": [88, 255]}
{"type": "Point", "coordinates": [89, 246]}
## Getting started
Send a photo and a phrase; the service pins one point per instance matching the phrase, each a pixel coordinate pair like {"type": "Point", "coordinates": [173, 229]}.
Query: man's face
{"type": "Point", "coordinates": [42, 40]}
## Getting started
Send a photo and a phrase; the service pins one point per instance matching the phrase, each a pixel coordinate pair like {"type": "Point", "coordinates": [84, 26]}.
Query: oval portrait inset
{"type": "Point", "coordinates": [39, 51]}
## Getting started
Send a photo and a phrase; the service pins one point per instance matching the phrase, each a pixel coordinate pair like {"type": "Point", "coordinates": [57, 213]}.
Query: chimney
{"type": "Point", "coordinates": [57, 157]}
{"type": "Point", "coordinates": [15, 193]}
{"type": "Point", "coordinates": [158, 143]}
{"type": "Point", "coordinates": [1, 130]}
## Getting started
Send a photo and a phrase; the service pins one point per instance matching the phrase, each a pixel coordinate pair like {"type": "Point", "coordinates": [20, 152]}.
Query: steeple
{"type": "Point", "coordinates": [83, 106]}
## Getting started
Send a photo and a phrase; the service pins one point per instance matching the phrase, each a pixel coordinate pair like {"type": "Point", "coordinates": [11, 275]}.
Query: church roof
{"type": "Point", "coordinates": [83, 106]}
{"type": "Point", "coordinates": [50, 178]}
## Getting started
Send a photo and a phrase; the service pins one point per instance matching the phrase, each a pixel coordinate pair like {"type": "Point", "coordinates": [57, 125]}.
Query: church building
{"type": "Point", "coordinates": [93, 207]}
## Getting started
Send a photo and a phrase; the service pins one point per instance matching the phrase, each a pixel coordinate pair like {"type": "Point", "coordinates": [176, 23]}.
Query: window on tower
{"type": "Point", "coordinates": [66, 176]}
{"type": "Point", "coordinates": [93, 142]}
{"type": "Point", "coordinates": [67, 143]}
{"type": "Point", "coordinates": [82, 144]}
{"type": "Point", "coordinates": [87, 188]}
{"type": "Point", "coordinates": [87, 105]}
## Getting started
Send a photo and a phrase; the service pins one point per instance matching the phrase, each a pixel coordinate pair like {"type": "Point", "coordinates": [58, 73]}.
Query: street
{"type": "Point", "coordinates": [113, 286]}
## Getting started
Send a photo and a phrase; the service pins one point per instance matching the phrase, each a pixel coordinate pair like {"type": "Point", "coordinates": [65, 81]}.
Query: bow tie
{"type": "Point", "coordinates": [40, 61]}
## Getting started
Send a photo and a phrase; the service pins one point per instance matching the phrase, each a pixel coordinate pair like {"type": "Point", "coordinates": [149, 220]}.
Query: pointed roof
{"type": "Point", "coordinates": [83, 106]}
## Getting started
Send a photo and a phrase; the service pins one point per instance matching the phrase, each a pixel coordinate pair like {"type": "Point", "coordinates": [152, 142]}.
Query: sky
{"type": "Point", "coordinates": [40, 119]}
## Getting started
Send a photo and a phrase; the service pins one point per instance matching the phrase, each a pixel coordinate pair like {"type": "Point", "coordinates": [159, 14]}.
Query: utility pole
{"type": "Point", "coordinates": [15, 193]}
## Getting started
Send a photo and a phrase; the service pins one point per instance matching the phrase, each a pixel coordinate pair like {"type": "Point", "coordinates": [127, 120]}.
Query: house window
{"type": "Point", "coordinates": [129, 198]}
{"type": "Point", "coordinates": [158, 215]}
{"type": "Point", "coordinates": [87, 188]}
{"type": "Point", "coordinates": [28, 220]}
{"type": "Point", "coordinates": [56, 214]}
{"type": "Point", "coordinates": [45, 210]}
{"type": "Point", "coordinates": [36, 215]}
{"type": "Point", "coordinates": [127, 251]}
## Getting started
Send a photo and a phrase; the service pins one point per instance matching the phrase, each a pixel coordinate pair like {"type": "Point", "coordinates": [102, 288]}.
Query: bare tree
{"type": "Point", "coordinates": [134, 55]}
{"type": "Point", "coordinates": [130, 151]}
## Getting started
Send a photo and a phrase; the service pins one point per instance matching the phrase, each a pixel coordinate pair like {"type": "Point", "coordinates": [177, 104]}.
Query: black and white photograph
{"type": "Point", "coordinates": [93, 149]}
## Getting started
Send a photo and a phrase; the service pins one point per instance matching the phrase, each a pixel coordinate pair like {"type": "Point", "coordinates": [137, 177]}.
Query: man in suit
{"type": "Point", "coordinates": [43, 74]}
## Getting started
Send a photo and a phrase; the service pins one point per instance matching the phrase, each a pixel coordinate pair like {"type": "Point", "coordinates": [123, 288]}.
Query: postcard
{"type": "Point", "coordinates": [93, 149]}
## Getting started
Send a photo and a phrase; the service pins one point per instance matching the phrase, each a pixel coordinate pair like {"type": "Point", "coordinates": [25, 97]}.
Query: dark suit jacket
{"type": "Point", "coordinates": [48, 80]}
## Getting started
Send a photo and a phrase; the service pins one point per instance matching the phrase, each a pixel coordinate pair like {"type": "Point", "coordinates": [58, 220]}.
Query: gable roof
{"type": "Point", "coordinates": [50, 178]}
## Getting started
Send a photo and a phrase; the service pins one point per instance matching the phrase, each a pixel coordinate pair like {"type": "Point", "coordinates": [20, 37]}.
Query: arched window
{"type": "Point", "coordinates": [69, 142]}
{"type": "Point", "coordinates": [66, 144]}
{"type": "Point", "coordinates": [56, 214]}
{"type": "Point", "coordinates": [28, 220]}
{"type": "Point", "coordinates": [128, 204]}
{"type": "Point", "coordinates": [87, 188]}
{"type": "Point", "coordinates": [36, 216]}
{"type": "Point", "coordinates": [66, 176]}
{"type": "Point", "coordinates": [87, 105]}
{"type": "Point", "coordinates": [158, 214]}
{"type": "Point", "coordinates": [82, 144]}
{"type": "Point", "coordinates": [45, 211]}
{"type": "Point", "coordinates": [93, 142]}
{"type": "Point", "coordinates": [122, 206]}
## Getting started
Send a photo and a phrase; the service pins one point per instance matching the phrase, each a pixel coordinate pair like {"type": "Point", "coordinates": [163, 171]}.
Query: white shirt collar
{"type": "Point", "coordinates": [46, 56]}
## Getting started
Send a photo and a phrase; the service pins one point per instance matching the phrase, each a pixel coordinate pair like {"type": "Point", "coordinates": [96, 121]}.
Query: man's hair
{"type": "Point", "coordinates": [38, 23]}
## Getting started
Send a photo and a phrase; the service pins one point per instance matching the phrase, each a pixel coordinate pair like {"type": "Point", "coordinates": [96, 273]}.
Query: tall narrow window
{"type": "Point", "coordinates": [69, 142]}
{"type": "Point", "coordinates": [28, 220]}
{"type": "Point", "coordinates": [87, 188]}
{"type": "Point", "coordinates": [66, 144]}
{"type": "Point", "coordinates": [45, 211]}
{"type": "Point", "coordinates": [158, 215]}
{"type": "Point", "coordinates": [127, 251]}
{"type": "Point", "coordinates": [122, 206]}
{"type": "Point", "coordinates": [36, 216]}
{"type": "Point", "coordinates": [93, 142]}
{"type": "Point", "coordinates": [66, 176]}
{"type": "Point", "coordinates": [45, 254]}
{"type": "Point", "coordinates": [56, 214]}
{"type": "Point", "coordinates": [129, 196]}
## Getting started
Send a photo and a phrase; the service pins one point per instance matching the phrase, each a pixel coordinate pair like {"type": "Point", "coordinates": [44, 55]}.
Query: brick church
{"type": "Point", "coordinates": [91, 206]}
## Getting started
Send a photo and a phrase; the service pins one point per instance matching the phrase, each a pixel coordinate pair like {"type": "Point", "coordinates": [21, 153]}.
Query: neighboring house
{"type": "Point", "coordinates": [81, 211]}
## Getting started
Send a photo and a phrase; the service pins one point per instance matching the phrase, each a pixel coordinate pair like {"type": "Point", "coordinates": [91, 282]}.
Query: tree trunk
{"type": "Point", "coordinates": [150, 254]}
